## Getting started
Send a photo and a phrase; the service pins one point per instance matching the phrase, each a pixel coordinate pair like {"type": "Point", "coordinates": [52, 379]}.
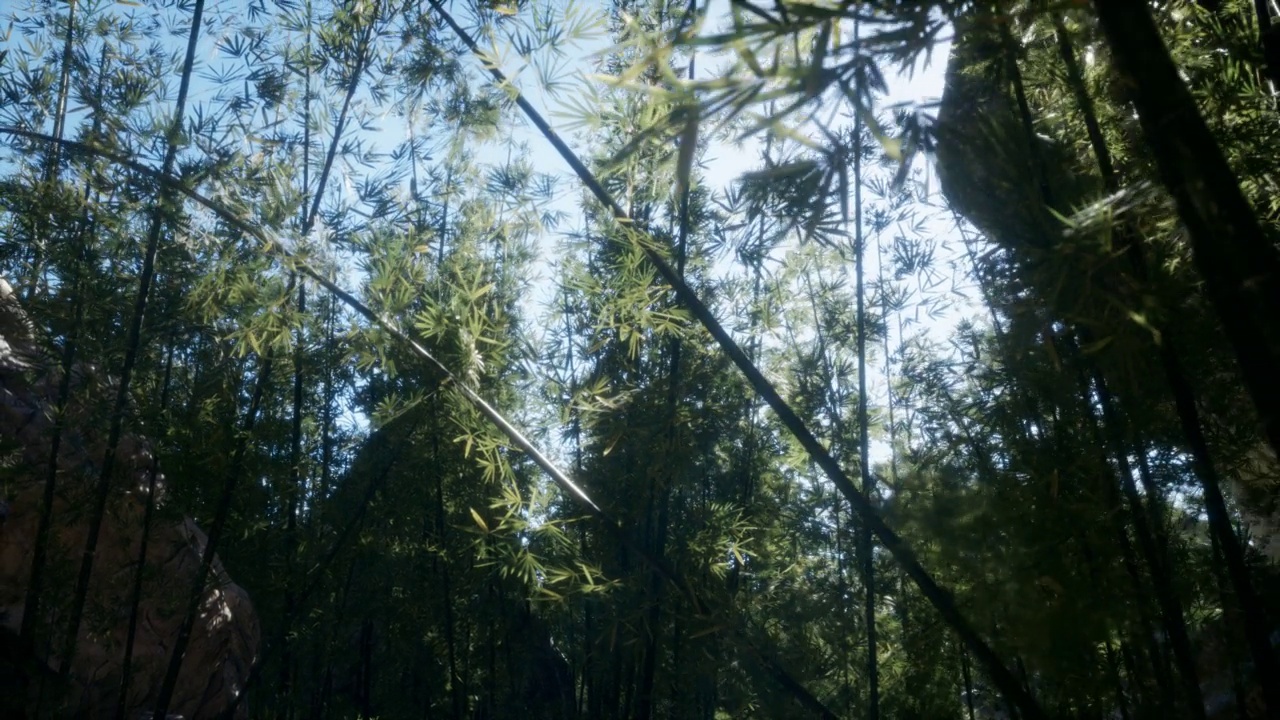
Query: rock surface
{"type": "Point", "coordinates": [225, 639]}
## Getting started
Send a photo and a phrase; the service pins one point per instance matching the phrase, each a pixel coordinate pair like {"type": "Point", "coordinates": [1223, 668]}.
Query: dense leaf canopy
{"type": "Point", "coordinates": [638, 359]}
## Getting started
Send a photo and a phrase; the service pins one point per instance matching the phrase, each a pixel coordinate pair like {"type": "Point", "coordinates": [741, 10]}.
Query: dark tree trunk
{"type": "Point", "coordinates": [135, 601]}
{"type": "Point", "coordinates": [133, 347]}
{"type": "Point", "coordinates": [968, 681]}
{"type": "Point", "coordinates": [1238, 263]}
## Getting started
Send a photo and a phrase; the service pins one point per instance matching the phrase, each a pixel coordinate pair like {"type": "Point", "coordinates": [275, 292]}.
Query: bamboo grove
{"type": "Point", "coordinates": [500, 396]}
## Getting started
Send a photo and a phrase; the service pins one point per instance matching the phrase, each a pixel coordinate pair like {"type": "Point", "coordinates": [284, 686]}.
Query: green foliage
{"type": "Point", "coordinates": [405, 559]}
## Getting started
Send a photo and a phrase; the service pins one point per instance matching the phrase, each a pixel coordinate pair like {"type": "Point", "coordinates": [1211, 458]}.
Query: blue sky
{"type": "Point", "coordinates": [723, 163]}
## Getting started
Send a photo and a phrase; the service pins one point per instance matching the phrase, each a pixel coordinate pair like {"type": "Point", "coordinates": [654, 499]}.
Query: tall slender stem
{"type": "Point", "coordinates": [864, 430]}
{"type": "Point", "coordinates": [133, 346]}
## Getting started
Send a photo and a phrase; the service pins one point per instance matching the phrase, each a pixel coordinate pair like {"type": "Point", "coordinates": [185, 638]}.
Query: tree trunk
{"type": "Point", "coordinates": [1238, 263]}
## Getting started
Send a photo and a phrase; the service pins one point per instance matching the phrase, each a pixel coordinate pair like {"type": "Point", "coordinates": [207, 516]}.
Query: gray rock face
{"type": "Point", "coordinates": [990, 170]}
{"type": "Point", "coordinates": [226, 635]}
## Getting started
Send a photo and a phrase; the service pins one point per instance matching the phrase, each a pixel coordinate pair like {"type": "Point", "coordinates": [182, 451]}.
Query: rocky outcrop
{"type": "Point", "coordinates": [1005, 183]}
{"type": "Point", "coordinates": [226, 636]}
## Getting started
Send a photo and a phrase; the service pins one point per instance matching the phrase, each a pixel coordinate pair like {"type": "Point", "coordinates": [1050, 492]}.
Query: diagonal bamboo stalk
{"type": "Point", "coordinates": [940, 598]}
{"type": "Point", "coordinates": [517, 438]}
